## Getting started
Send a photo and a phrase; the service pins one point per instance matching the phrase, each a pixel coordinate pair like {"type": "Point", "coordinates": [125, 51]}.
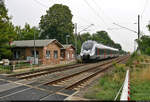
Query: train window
{"type": "Point", "coordinates": [88, 46]}
{"type": "Point", "coordinates": [102, 51]}
{"type": "Point", "coordinates": [95, 51]}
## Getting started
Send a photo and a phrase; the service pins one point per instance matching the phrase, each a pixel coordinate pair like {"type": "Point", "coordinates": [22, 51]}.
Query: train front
{"type": "Point", "coordinates": [87, 50]}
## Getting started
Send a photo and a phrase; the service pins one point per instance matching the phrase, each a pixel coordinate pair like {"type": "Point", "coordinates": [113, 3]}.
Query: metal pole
{"type": "Point", "coordinates": [34, 48]}
{"type": "Point", "coordinates": [138, 33]}
{"type": "Point", "coordinates": [138, 27]}
{"type": "Point", "coordinates": [76, 40]}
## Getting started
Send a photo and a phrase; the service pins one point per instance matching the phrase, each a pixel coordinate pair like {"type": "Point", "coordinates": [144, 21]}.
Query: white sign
{"type": "Point", "coordinates": [31, 60]}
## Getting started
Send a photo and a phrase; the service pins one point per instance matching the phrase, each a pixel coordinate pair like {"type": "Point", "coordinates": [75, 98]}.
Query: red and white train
{"type": "Point", "coordinates": [91, 50]}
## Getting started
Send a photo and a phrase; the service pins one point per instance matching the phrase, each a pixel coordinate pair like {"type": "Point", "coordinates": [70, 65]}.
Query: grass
{"type": "Point", "coordinates": [5, 69]}
{"type": "Point", "coordinates": [37, 69]}
{"type": "Point", "coordinates": [108, 85]}
{"type": "Point", "coordinates": [140, 84]}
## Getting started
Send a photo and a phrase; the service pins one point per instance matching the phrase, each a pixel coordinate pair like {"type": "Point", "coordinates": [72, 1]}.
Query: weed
{"type": "Point", "coordinates": [119, 68]}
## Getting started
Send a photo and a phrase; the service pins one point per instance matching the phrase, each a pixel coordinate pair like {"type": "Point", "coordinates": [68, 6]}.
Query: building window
{"type": "Point", "coordinates": [36, 53]}
{"type": "Point", "coordinates": [62, 54]}
{"type": "Point", "coordinates": [68, 55]}
{"type": "Point", "coordinates": [72, 55]}
{"type": "Point", "coordinates": [16, 54]}
{"type": "Point", "coordinates": [55, 54]}
{"type": "Point", "coordinates": [47, 54]}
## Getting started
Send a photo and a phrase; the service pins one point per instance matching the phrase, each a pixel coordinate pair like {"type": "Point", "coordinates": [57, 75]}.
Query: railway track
{"type": "Point", "coordinates": [35, 73]}
{"type": "Point", "coordinates": [69, 79]}
{"type": "Point", "coordinates": [72, 82]}
{"type": "Point", "coordinates": [38, 73]}
{"type": "Point", "coordinates": [75, 79]}
{"type": "Point", "coordinates": [96, 72]}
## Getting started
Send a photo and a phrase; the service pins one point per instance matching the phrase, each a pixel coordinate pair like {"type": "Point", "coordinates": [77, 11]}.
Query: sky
{"type": "Point", "coordinates": [101, 13]}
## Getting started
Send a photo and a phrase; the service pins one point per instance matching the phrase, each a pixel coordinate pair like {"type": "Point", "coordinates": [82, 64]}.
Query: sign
{"type": "Point", "coordinates": [31, 60]}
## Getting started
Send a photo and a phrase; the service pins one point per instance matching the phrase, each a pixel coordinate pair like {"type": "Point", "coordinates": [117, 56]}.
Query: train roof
{"type": "Point", "coordinates": [101, 45]}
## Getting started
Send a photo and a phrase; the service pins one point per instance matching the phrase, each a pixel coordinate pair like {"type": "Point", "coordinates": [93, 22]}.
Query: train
{"type": "Point", "coordinates": [91, 50]}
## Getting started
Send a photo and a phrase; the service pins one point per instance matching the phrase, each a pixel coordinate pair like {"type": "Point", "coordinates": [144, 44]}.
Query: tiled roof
{"type": "Point", "coordinates": [66, 46]}
{"type": "Point", "coordinates": [30, 43]}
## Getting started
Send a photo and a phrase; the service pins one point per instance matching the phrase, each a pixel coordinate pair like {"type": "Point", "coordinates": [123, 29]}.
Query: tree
{"type": "Point", "coordinates": [7, 33]}
{"type": "Point", "coordinates": [57, 23]}
{"type": "Point", "coordinates": [145, 44]}
{"type": "Point", "coordinates": [27, 33]}
{"type": "Point", "coordinates": [100, 37]}
{"type": "Point", "coordinates": [103, 37]}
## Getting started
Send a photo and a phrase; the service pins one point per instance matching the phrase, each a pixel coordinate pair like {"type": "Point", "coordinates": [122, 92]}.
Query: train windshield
{"type": "Point", "coordinates": [88, 46]}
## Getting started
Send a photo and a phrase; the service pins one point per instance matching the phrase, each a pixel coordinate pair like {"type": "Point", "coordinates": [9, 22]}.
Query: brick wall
{"type": "Point", "coordinates": [70, 53]}
{"type": "Point", "coordinates": [51, 47]}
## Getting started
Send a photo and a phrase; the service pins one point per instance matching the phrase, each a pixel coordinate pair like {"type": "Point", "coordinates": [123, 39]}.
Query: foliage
{"type": "Point", "coordinates": [103, 37]}
{"type": "Point", "coordinates": [107, 87]}
{"type": "Point", "coordinates": [27, 33]}
{"type": "Point", "coordinates": [7, 33]}
{"type": "Point", "coordinates": [5, 69]}
{"type": "Point", "coordinates": [145, 44]}
{"type": "Point", "coordinates": [57, 23]}
{"type": "Point", "coordinates": [100, 37]}
{"type": "Point", "coordinates": [140, 83]}
{"type": "Point", "coordinates": [119, 68]}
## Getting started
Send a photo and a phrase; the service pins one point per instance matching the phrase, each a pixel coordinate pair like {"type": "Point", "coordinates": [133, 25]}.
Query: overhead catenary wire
{"type": "Point", "coordinates": [95, 12]}
{"type": "Point", "coordinates": [80, 18]}
{"type": "Point", "coordinates": [43, 5]}
{"type": "Point", "coordinates": [142, 13]}
{"type": "Point", "coordinates": [100, 9]}
{"type": "Point", "coordinates": [146, 3]}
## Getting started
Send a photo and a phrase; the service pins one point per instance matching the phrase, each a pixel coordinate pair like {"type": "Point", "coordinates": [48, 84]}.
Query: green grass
{"type": "Point", "coordinates": [108, 85]}
{"type": "Point", "coordinates": [140, 90]}
{"type": "Point", "coordinates": [5, 69]}
{"type": "Point", "coordinates": [139, 77]}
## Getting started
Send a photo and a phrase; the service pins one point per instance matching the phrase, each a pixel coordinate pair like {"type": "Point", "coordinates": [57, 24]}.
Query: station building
{"type": "Point", "coordinates": [48, 51]}
{"type": "Point", "coordinates": [68, 53]}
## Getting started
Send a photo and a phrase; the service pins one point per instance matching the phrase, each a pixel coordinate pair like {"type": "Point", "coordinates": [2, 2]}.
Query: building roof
{"type": "Point", "coordinates": [67, 46]}
{"type": "Point", "coordinates": [38, 43]}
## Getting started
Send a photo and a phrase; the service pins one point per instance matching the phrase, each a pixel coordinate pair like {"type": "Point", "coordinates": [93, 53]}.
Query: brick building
{"type": "Point", "coordinates": [68, 53]}
{"type": "Point", "coordinates": [47, 51]}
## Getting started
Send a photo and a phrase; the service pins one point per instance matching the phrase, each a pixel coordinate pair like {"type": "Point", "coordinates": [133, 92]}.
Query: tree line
{"type": "Point", "coordinates": [55, 24]}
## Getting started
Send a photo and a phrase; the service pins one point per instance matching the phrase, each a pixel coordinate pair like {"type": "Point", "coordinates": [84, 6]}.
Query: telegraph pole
{"type": "Point", "coordinates": [138, 34]}
{"type": "Point", "coordinates": [76, 40]}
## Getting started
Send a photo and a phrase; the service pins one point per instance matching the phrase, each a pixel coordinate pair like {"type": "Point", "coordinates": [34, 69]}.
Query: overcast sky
{"type": "Point", "coordinates": [101, 13]}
